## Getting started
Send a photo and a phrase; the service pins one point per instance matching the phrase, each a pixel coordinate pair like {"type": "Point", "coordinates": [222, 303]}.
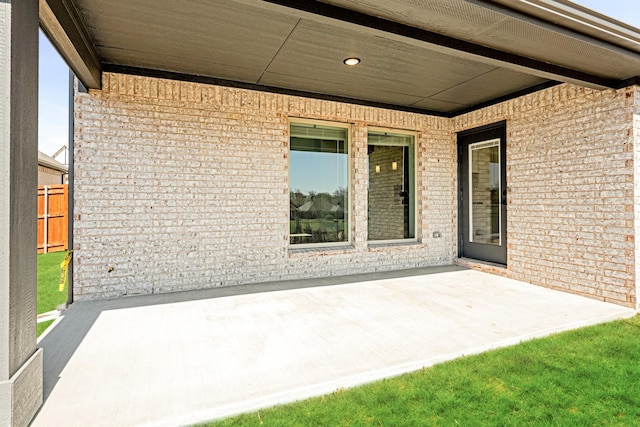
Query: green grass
{"type": "Point", "coordinates": [587, 377]}
{"type": "Point", "coordinates": [42, 326]}
{"type": "Point", "coordinates": [49, 297]}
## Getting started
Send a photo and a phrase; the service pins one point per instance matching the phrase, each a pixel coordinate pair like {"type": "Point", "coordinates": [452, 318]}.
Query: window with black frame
{"type": "Point", "coordinates": [318, 184]}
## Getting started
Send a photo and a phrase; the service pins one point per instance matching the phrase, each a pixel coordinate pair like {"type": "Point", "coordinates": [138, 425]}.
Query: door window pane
{"type": "Point", "coordinates": [318, 184]}
{"type": "Point", "coordinates": [391, 201]}
{"type": "Point", "coordinates": [484, 212]}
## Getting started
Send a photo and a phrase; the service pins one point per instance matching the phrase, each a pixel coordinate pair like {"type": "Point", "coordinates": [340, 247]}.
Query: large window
{"type": "Point", "coordinates": [391, 197]}
{"type": "Point", "coordinates": [318, 184]}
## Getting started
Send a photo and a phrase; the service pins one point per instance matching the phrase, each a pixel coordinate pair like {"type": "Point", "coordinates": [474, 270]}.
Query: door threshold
{"type": "Point", "coordinates": [484, 266]}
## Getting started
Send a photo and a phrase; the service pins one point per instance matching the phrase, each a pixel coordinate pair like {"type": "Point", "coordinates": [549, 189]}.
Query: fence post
{"type": "Point", "coordinates": [45, 218]}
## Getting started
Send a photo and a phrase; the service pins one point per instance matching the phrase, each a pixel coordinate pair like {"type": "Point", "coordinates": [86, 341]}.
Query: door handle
{"type": "Point", "coordinates": [504, 197]}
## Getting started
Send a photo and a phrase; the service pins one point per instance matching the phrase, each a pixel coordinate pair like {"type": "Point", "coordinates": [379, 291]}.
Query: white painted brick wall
{"type": "Point", "coordinates": [183, 186]}
{"type": "Point", "coordinates": [570, 157]}
{"type": "Point", "coordinates": [636, 195]}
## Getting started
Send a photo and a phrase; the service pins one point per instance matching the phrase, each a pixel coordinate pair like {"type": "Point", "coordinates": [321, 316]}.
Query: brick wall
{"type": "Point", "coordinates": [47, 176]}
{"type": "Point", "coordinates": [636, 195]}
{"type": "Point", "coordinates": [570, 177]}
{"type": "Point", "coordinates": [183, 186]}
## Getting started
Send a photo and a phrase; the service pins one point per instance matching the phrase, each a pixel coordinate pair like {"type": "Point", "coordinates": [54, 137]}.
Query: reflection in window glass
{"type": "Point", "coordinates": [485, 192]}
{"type": "Point", "coordinates": [318, 184]}
{"type": "Point", "coordinates": [391, 201]}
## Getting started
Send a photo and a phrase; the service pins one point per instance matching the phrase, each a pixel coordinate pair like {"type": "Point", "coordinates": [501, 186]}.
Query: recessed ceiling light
{"type": "Point", "coordinates": [352, 61]}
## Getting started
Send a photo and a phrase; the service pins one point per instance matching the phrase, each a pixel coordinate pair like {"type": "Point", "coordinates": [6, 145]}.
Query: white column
{"type": "Point", "coordinates": [20, 360]}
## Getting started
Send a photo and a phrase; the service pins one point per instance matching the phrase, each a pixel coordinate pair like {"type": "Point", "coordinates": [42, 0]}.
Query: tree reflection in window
{"type": "Point", "coordinates": [318, 182]}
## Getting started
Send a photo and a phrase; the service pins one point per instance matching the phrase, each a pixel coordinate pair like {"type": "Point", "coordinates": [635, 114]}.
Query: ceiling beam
{"type": "Point", "coordinates": [452, 45]}
{"type": "Point", "coordinates": [61, 22]}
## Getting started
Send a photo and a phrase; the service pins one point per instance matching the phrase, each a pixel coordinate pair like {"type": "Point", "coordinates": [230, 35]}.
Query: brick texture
{"type": "Point", "coordinates": [636, 194]}
{"type": "Point", "coordinates": [184, 186]}
{"type": "Point", "coordinates": [571, 179]}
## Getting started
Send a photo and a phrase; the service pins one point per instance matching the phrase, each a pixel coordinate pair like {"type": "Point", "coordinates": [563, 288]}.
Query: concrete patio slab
{"type": "Point", "coordinates": [177, 359]}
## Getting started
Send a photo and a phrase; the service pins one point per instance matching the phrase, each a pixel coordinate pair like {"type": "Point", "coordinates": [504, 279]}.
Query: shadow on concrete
{"type": "Point", "coordinates": [62, 341]}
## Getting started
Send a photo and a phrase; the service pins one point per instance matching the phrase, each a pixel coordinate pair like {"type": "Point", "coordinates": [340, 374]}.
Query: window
{"type": "Point", "coordinates": [391, 197]}
{"type": "Point", "coordinates": [484, 186]}
{"type": "Point", "coordinates": [318, 184]}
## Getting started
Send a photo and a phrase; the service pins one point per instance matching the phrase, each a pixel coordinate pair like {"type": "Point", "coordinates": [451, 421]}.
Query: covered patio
{"type": "Point", "coordinates": [183, 358]}
{"type": "Point", "coordinates": [183, 117]}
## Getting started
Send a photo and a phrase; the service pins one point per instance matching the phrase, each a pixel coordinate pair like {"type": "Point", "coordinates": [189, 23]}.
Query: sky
{"type": "Point", "coordinates": [54, 77]}
{"type": "Point", "coordinates": [319, 172]}
{"type": "Point", "coordinates": [53, 99]}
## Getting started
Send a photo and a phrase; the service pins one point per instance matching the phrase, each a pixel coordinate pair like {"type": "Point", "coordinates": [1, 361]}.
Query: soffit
{"type": "Point", "coordinates": [612, 52]}
{"type": "Point", "coordinates": [277, 45]}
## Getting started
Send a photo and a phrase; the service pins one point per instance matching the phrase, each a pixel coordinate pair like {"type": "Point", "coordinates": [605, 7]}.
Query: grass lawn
{"type": "Point", "coordinates": [49, 297]}
{"type": "Point", "coordinates": [42, 326]}
{"type": "Point", "coordinates": [587, 377]}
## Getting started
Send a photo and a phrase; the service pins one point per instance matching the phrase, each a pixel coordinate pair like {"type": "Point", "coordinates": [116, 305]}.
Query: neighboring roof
{"type": "Point", "coordinates": [436, 56]}
{"type": "Point", "coordinates": [51, 163]}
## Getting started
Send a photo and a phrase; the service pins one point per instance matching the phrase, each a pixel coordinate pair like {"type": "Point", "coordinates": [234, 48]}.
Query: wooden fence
{"type": "Point", "coordinates": [53, 218]}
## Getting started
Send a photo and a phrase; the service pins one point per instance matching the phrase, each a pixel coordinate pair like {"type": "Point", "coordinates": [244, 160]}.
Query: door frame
{"type": "Point", "coordinates": [494, 254]}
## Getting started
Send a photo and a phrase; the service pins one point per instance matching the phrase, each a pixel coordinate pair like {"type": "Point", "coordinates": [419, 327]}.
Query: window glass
{"type": "Point", "coordinates": [318, 184]}
{"type": "Point", "coordinates": [391, 196]}
{"type": "Point", "coordinates": [484, 177]}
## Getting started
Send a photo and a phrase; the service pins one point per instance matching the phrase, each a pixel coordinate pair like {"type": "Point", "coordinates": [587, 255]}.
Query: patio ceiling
{"type": "Point", "coordinates": [435, 56]}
